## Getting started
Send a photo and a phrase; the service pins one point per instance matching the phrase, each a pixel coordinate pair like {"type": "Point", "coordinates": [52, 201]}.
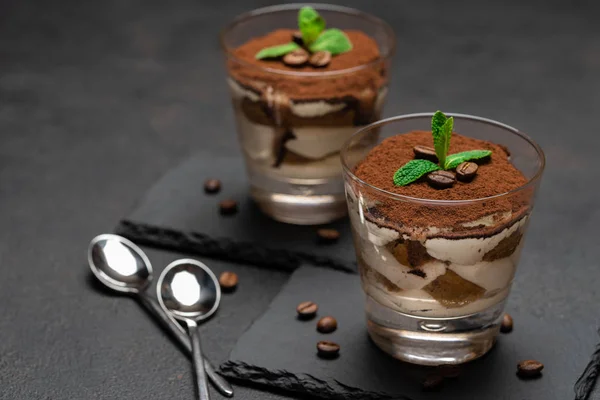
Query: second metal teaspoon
{"type": "Point", "coordinates": [122, 266]}
{"type": "Point", "coordinates": [190, 292]}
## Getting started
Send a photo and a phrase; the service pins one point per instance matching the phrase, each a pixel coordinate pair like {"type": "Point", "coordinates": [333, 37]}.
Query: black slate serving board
{"type": "Point", "coordinates": [176, 214]}
{"type": "Point", "coordinates": [278, 351]}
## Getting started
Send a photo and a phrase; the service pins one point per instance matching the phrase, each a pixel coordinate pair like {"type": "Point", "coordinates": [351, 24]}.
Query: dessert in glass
{"type": "Point", "coordinates": [302, 81]}
{"type": "Point", "coordinates": [438, 221]}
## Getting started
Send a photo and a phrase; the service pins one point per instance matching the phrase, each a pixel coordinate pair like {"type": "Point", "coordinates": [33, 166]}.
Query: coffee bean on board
{"type": "Point", "coordinates": [326, 349]}
{"type": "Point", "coordinates": [327, 236]}
{"type": "Point", "coordinates": [212, 186]}
{"type": "Point", "coordinates": [529, 368]}
{"type": "Point", "coordinates": [228, 207]}
{"type": "Point", "coordinates": [507, 324]}
{"type": "Point", "coordinates": [327, 325]}
{"type": "Point", "coordinates": [228, 280]}
{"type": "Point", "coordinates": [307, 310]}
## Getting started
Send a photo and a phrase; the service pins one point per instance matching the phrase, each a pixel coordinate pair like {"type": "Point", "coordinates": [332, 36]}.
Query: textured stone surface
{"type": "Point", "coordinates": [99, 99]}
{"type": "Point", "coordinates": [364, 371]}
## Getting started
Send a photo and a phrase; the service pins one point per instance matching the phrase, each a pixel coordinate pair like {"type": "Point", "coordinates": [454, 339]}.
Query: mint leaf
{"type": "Point", "coordinates": [311, 24]}
{"type": "Point", "coordinates": [413, 170]}
{"type": "Point", "coordinates": [441, 129]}
{"type": "Point", "coordinates": [454, 160]}
{"type": "Point", "coordinates": [437, 121]}
{"type": "Point", "coordinates": [276, 51]}
{"type": "Point", "coordinates": [332, 40]}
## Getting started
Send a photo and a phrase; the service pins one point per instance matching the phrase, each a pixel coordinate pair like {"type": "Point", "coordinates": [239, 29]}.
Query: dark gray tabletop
{"type": "Point", "coordinates": [99, 99]}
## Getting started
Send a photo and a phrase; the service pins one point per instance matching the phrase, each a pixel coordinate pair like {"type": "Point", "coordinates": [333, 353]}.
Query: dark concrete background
{"type": "Point", "coordinates": [98, 99]}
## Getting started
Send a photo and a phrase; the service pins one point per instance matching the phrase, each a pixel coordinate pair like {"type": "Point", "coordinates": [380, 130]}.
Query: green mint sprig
{"type": "Point", "coordinates": [311, 24]}
{"type": "Point", "coordinates": [454, 160]}
{"type": "Point", "coordinates": [441, 130]}
{"type": "Point", "coordinates": [314, 37]}
{"type": "Point", "coordinates": [332, 40]}
{"type": "Point", "coordinates": [277, 51]}
{"type": "Point", "coordinates": [413, 170]}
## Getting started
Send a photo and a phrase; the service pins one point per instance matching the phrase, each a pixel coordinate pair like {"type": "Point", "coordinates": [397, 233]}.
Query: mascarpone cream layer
{"type": "Point", "coordinates": [318, 144]}
{"type": "Point", "coordinates": [418, 302]}
{"type": "Point", "coordinates": [304, 109]}
{"type": "Point", "coordinates": [467, 251]}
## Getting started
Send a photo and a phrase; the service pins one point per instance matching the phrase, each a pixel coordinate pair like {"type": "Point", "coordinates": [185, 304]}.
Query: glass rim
{"type": "Point", "coordinates": [532, 181]}
{"type": "Point", "coordinates": [319, 6]}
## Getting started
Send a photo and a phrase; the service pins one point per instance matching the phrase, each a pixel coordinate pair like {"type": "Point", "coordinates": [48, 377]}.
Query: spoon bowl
{"type": "Point", "coordinates": [119, 263]}
{"type": "Point", "coordinates": [189, 290]}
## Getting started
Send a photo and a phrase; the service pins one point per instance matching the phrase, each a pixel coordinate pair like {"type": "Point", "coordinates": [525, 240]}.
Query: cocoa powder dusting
{"type": "Point", "coordinates": [495, 176]}
{"type": "Point", "coordinates": [357, 84]}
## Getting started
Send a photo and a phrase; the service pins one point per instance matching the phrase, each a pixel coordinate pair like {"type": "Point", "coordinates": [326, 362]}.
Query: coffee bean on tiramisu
{"type": "Point", "coordinates": [320, 59]}
{"type": "Point", "coordinates": [327, 325]}
{"type": "Point", "coordinates": [465, 172]}
{"type": "Point", "coordinates": [212, 186]}
{"type": "Point", "coordinates": [307, 310]}
{"type": "Point", "coordinates": [327, 349]}
{"type": "Point", "coordinates": [425, 153]}
{"type": "Point", "coordinates": [441, 179]}
{"type": "Point", "coordinates": [432, 382]}
{"type": "Point", "coordinates": [529, 369]}
{"type": "Point", "coordinates": [296, 58]}
{"type": "Point", "coordinates": [228, 207]}
{"type": "Point", "coordinates": [297, 38]}
{"type": "Point", "coordinates": [327, 236]}
{"type": "Point", "coordinates": [507, 324]}
{"type": "Point", "coordinates": [228, 280]}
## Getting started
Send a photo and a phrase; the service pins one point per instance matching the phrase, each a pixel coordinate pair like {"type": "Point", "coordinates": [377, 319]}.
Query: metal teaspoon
{"type": "Point", "coordinates": [122, 266]}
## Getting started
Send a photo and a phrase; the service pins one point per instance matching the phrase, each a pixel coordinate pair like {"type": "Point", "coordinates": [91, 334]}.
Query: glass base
{"type": "Point", "coordinates": [300, 209]}
{"type": "Point", "coordinates": [433, 341]}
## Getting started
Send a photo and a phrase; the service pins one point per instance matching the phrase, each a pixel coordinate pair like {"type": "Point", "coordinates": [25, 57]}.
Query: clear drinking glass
{"type": "Point", "coordinates": [291, 142]}
{"type": "Point", "coordinates": [450, 313]}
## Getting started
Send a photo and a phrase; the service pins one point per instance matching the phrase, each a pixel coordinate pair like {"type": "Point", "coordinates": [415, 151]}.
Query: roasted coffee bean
{"type": "Point", "coordinates": [296, 58]}
{"type": "Point", "coordinates": [320, 59]}
{"type": "Point", "coordinates": [212, 186]}
{"type": "Point", "coordinates": [307, 310]}
{"type": "Point", "coordinates": [228, 207]}
{"type": "Point", "coordinates": [465, 172]}
{"type": "Point", "coordinates": [529, 368]}
{"type": "Point", "coordinates": [507, 324]}
{"type": "Point", "coordinates": [328, 349]}
{"type": "Point", "coordinates": [425, 153]}
{"type": "Point", "coordinates": [441, 179]}
{"type": "Point", "coordinates": [432, 382]}
{"type": "Point", "coordinates": [327, 325]}
{"type": "Point", "coordinates": [297, 38]}
{"type": "Point", "coordinates": [228, 280]}
{"type": "Point", "coordinates": [327, 236]}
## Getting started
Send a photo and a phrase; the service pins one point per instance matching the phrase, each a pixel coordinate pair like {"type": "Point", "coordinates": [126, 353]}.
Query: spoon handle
{"type": "Point", "coordinates": [198, 361]}
{"type": "Point", "coordinates": [167, 321]}
{"type": "Point", "coordinates": [179, 333]}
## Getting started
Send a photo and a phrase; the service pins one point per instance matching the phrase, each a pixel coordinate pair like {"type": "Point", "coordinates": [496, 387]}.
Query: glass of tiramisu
{"type": "Point", "coordinates": [439, 206]}
{"type": "Point", "coordinates": [303, 79]}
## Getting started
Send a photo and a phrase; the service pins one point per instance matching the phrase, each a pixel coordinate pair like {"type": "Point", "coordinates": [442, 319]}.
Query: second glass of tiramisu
{"type": "Point", "coordinates": [439, 206]}
{"type": "Point", "coordinates": [303, 79]}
